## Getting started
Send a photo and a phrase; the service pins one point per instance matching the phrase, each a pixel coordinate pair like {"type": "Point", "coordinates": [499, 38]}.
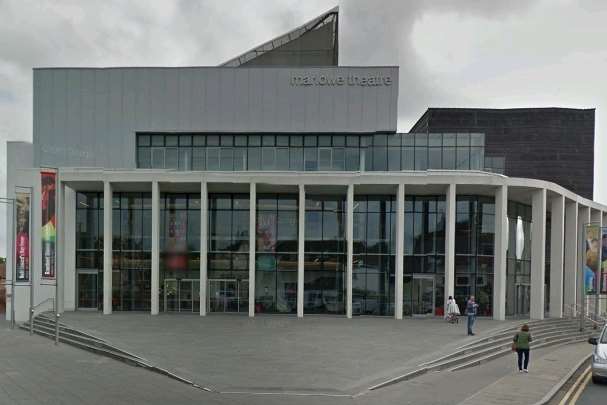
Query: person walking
{"type": "Point", "coordinates": [521, 345]}
{"type": "Point", "coordinates": [471, 309]}
{"type": "Point", "coordinates": [452, 310]}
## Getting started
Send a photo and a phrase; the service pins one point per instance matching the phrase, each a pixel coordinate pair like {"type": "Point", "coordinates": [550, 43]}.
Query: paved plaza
{"type": "Point", "coordinates": [261, 361]}
{"type": "Point", "coordinates": [321, 354]}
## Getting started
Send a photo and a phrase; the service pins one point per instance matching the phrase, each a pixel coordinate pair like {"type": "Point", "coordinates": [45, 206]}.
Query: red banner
{"type": "Point", "coordinates": [49, 223]}
{"type": "Point", "coordinates": [22, 232]}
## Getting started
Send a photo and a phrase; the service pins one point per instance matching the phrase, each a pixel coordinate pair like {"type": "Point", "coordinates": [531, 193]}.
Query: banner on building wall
{"type": "Point", "coordinates": [49, 223]}
{"type": "Point", "coordinates": [592, 242]}
{"type": "Point", "coordinates": [266, 240]}
{"type": "Point", "coordinates": [604, 260]}
{"type": "Point", "coordinates": [22, 234]}
{"type": "Point", "coordinates": [176, 242]}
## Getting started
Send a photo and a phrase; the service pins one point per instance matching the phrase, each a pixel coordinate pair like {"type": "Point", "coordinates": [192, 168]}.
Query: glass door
{"type": "Point", "coordinates": [87, 290]}
{"type": "Point", "coordinates": [423, 296]}
{"type": "Point", "coordinates": [228, 295]}
{"type": "Point", "coordinates": [523, 298]}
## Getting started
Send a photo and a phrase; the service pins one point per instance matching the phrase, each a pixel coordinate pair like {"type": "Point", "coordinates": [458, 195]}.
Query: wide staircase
{"type": "Point", "coordinates": [44, 325]}
{"type": "Point", "coordinates": [549, 332]}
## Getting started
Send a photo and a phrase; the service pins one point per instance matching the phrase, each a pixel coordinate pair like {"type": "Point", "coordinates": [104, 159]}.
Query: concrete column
{"type": "Point", "coordinates": [204, 232]}
{"type": "Point", "coordinates": [570, 261]}
{"type": "Point", "coordinates": [450, 242]}
{"type": "Point", "coordinates": [301, 238]}
{"type": "Point", "coordinates": [583, 220]}
{"type": "Point", "coordinates": [594, 305]}
{"type": "Point", "coordinates": [557, 245]}
{"type": "Point", "coordinates": [155, 247]}
{"type": "Point", "coordinates": [252, 241]}
{"type": "Point", "coordinates": [59, 268]}
{"type": "Point", "coordinates": [500, 253]}
{"type": "Point", "coordinates": [107, 247]}
{"type": "Point", "coordinates": [538, 253]}
{"type": "Point", "coordinates": [69, 247]}
{"type": "Point", "coordinates": [400, 250]}
{"type": "Point", "coordinates": [350, 248]}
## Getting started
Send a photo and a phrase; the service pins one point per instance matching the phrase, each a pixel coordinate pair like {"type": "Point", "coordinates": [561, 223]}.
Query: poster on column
{"type": "Point", "coordinates": [49, 223]}
{"type": "Point", "coordinates": [176, 243]}
{"type": "Point", "coordinates": [591, 258]}
{"type": "Point", "coordinates": [22, 234]}
{"type": "Point", "coordinates": [604, 260]}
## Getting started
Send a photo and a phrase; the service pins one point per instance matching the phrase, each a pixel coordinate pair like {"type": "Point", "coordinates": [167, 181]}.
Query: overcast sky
{"type": "Point", "coordinates": [465, 53]}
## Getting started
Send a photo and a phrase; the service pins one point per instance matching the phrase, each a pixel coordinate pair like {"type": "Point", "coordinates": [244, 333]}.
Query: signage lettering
{"type": "Point", "coordinates": [339, 80]}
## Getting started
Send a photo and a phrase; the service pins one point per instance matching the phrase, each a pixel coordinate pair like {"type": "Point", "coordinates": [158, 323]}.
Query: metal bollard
{"type": "Point", "coordinates": [57, 315]}
{"type": "Point", "coordinates": [31, 321]}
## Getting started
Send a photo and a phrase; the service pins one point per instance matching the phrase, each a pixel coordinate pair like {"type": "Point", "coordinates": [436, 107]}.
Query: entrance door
{"type": "Point", "coordinates": [87, 290]}
{"type": "Point", "coordinates": [522, 299]}
{"type": "Point", "coordinates": [228, 295]}
{"type": "Point", "coordinates": [181, 295]}
{"type": "Point", "coordinates": [423, 296]}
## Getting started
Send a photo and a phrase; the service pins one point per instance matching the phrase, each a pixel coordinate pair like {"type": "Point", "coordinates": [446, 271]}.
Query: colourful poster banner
{"type": "Point", "coordinates": [49, 223]}
{"type": "Point", "coordinates": [176, 243]}
{"type": "Point", "coordinates": [592, 258]}
{"type": "Point", "coordinates": [22, 232]}
{"type": "Point", "coordinates": [604, 261]}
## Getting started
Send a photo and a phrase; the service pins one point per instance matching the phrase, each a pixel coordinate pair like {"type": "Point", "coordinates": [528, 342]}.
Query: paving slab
{"type": "Point", "coordinates": [316, 354]}
{"type": "Point", "coordinates": [524, 389]}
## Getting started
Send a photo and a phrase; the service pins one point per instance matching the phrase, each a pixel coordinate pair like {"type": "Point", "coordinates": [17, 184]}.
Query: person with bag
{"type": "Point", "coordinates": [471, 309]}
{"type": "Point", "coordinates": [520, 345]}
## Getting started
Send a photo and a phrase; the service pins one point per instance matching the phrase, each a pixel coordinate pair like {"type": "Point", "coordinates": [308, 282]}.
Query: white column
{"type": "Point", "coordinates": [450, 242]}
{"type": "Point", "coordinates": [204, 232]}
{"type": "Point", "coordinates": [301, 238]}
{"type": "Point", "coordinates": [583, 220]}
{"type": "Point", "coordinates": [571, 248]}
{"type": "Point", "coordinates": [501, 248]}
{"type": "Point", "coordinates": [538, 252]}
{"type": "Point", "coordinates": [350, 248]}
{"type": "Point", "coordinates": [594, 306]}
{"type": "Point", "coordinates": [155, 247]}
{"type": "Point", "coordinates": [557, 245]}
{"type": "Point", "coordinates": [400, 250]}
{"type": "Point", "coordinates": [69, 248]}
{"type": "Point", "coordinates": [252, 241]}
{"type": "Point", "coordinates": [107, 247]}
{"type": "Point", "coordinates": [59, 268]}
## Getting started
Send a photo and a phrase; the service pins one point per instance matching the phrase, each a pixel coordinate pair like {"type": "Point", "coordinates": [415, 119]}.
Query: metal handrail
{"type": "Point", "coordinates": [33, 310]}
{"type": "Point", "coordinates": [599, 321]}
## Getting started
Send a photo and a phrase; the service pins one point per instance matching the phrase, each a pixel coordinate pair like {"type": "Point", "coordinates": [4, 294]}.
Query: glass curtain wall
{"type": "Point", "coordinates": [89, 250]}
{"type": "Point", "coordinates": [276, 254]}
{"type": "Point", "coordinates": [424, 249]}
{"type": "Point", "coordinates": [131, 251]}
{"type": "Point", "coordinates": [518, 274]}
{"type": "Point", "coordinates": [313, 152]}
{"type": "Point", "coordinates": [179, 252]}
{"type": "Point", "coordinates": [228, 257]}
{"type": "Point", "coordinates": [474, 251]}
{"type": "Point", "coordinates": [325, 255]}
{"type": "Point", "coordinates": [374, 253]}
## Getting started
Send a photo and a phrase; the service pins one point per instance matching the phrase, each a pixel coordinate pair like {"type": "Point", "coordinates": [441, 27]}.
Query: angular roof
{"type": "Point", "coordinates": [314, 43]}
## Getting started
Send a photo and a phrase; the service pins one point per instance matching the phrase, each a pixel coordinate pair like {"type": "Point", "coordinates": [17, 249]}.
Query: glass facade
{"type": "Point", "coordinates": [325, 255]}
{"type": "Point", "coordinates": [374, 253]}
{"type": "Point", "coordinates": [474, 251]}
{"type": "Point", "coordinates": [276, 253]}
{"type": "Point", "coordinates": [228, 257]}
{"type": "Point", "coordinates": [324, 152]}
{"type": "Point", "coordinates": [518, 268]}
{"type": "Point", "coordinates": [424, 249]}
{"type": "Point", "coordinates": [89, 250]}
{"type": "Point", "coordinates": [276, 233]}
{"type": "Point", "coordinates": [179, 252]}
{"type": "Point", "coordinates": [131, 251]}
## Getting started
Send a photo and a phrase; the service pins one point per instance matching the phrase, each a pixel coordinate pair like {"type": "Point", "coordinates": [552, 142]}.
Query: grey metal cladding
{"type": "Point", "coordinates": [88, 117]}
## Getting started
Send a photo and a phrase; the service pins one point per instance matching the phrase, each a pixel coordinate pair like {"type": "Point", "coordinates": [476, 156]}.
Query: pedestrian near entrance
{"type": "Point", "coordinates": [452, 310]}
{"type": "Point", "coordinates": [471, 309]}
{"type": "Point", "coordinates": [521, 345]}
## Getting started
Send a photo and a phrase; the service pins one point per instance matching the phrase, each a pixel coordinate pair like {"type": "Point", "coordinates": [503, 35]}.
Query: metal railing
{"type": "Point", "coordinates": [55, 312]}
{"type": "Point", "coordinates": [574, 311]}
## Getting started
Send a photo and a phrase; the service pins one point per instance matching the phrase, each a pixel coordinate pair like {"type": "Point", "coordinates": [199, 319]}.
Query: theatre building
{"type": "Point", "coordinates": [277, 183]}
